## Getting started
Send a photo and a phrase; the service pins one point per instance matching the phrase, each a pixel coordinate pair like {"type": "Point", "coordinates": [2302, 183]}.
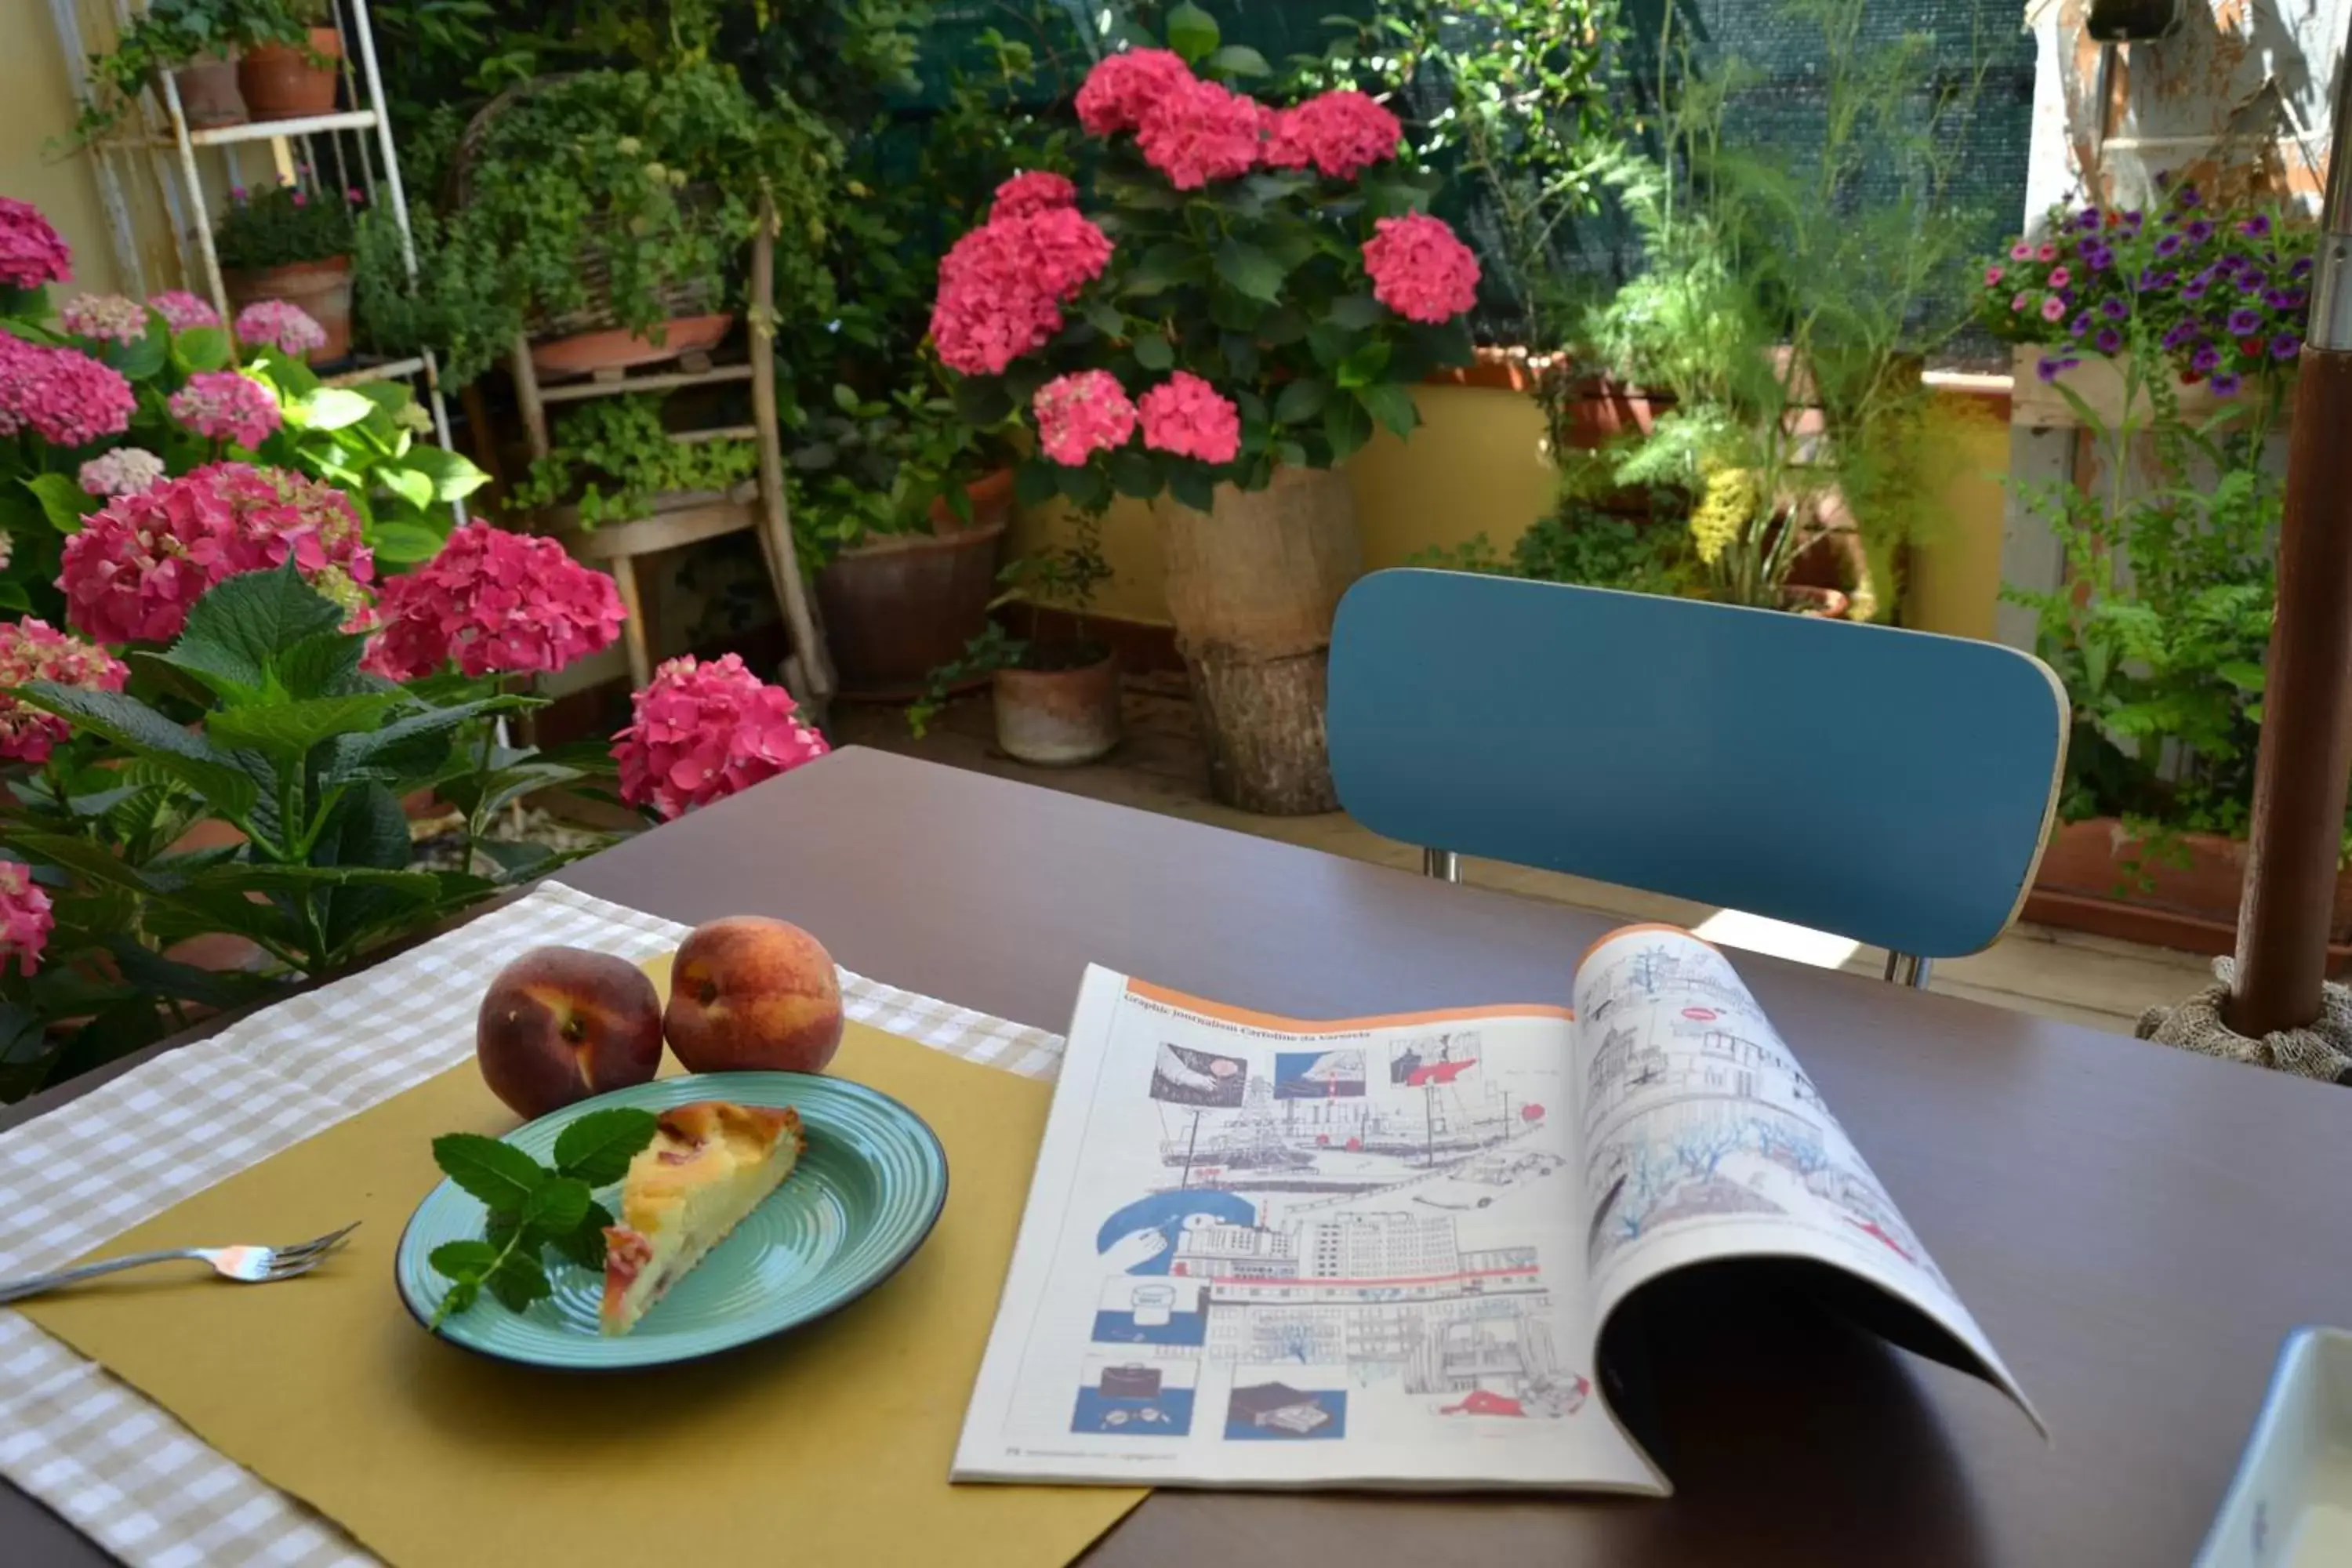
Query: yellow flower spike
{"type": "Point", "coordinates": [1724, 509]}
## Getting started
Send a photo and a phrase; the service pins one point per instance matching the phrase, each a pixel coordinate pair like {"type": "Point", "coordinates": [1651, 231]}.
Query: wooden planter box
{"type": "Point", "coordinates": [2085, 885]}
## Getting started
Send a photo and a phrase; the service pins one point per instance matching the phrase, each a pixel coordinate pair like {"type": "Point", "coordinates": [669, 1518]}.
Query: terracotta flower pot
{"type": "Point", "coordinates": [2097, 877]}
{"type": "Point", "coordinates": [584, 353]}
{"type": "Point", "coordinates": [322, 289]}
{"type": "Point", "coordinates": [898, 606]}
{"type": "Point", "coordinates": [1058, 718]}
{"type": "Point", "coordinates": [280, 83]}
{"type": "Point", "coordinates": [208, 92]}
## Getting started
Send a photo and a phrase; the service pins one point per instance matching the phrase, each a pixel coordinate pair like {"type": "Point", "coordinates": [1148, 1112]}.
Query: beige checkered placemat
{"type": "Point", "coordinates": [122, 1469]}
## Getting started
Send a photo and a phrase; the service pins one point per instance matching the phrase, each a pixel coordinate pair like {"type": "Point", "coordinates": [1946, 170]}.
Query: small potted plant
{"type": "Point", "coordinates": [899, 517]}
{"type": "Point", "coordinates": [289, 72]}
{"type": "Point", "coordinates": [198, 44]}
{"type": "Point", "coordinates": [292, 244]}
{"type": "Point", "coordinates": [1056, 690]}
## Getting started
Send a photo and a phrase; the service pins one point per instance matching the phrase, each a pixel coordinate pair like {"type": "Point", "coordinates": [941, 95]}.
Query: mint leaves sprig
{"type": "Point", "coordinates": [533, 1206]}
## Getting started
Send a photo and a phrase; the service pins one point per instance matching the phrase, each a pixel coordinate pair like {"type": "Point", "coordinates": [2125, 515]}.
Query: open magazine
{"type": "Point", "coordinates": [1385, 1252]}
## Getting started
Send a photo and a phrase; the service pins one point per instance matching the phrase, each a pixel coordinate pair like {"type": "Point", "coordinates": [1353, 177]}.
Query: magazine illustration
{"type": "Point", "coordinates": [1380, 1252]}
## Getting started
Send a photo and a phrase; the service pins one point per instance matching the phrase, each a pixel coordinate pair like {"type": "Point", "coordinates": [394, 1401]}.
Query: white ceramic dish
{"type": "Point", "coordinates": [2290, 1505]}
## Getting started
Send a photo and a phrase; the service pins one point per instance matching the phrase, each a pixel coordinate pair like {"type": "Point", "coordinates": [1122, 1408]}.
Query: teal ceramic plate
{"type": "Point", "coordinates": [856, 1206]}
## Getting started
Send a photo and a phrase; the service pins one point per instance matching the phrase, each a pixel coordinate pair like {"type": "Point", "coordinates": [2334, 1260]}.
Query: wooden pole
{"type": "Point", "coordinates": [2306, 759]}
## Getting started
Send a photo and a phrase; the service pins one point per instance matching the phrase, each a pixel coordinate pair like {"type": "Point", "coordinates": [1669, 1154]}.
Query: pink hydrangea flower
{"type": "Point", "coordinates": [1420, 269]}
{"type": "Point", "coordinates": [1198, 131]}
{"type": "Point", "coordinates": [184, 311]}
{"type": "Point", "coordinates": [277, 324]}
{"type": "Point", "coordinates": [62, 395]}
{"type": "Point", "coordinates": [1037, 191]}
{"type": "Point", "coordinates": [31, 254]}
{"type": "Point", "coordinates": [1080, 414]}
{"type": "Point", "coordinates": [26, 920]}
{"type": "Point", "coordinates": [1001, 287]}
{"type": "Point", "coordinates": [227, 406]}
{"type": "Point", "coordinates": [1121, 88]}
{"type": "Point", "coordinates": [34, 651]}
{"type": "Point", "coordinates": [1341, 133]}
{"type": "Point", "coordinates": [136, 568]}
{"type": "Point", "coordinates": [114, 318]}
{"type": "Point", "coordinates": [125, 471]}
{"type": "Point", "coordinates": [498, 604]}
{"type": "Point", "coordinates": [703, 730]}
{"type": "Point", "coordinates": [1186, 416]}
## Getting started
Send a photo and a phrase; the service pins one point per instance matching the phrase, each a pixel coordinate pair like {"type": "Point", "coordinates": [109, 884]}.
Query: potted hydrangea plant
{"type": "Point", "coordinates": [1253, 293]}
{"type": "Point", "coordinates": [293, 244]}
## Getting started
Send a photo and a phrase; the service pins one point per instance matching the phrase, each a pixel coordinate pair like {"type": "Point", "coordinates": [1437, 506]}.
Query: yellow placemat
{"type": "Point", "coordinates": [830, 1445]}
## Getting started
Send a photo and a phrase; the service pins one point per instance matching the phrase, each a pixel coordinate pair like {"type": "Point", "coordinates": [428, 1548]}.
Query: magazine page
{"type": "Point", "coordinates": [1703, 1140]}
{"type": "Point", "coordinates": [1264, 1252]}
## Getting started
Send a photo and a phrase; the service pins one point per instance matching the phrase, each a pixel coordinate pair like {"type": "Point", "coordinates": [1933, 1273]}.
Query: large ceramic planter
{"type": "Point", "coordinates": [322, 289]}
{"type": "Point", "coordinates": [279, 81]}
{"type": "Point", "coordinates": [1058, 718]}
{"type": "Point", "coordinates": [2088, 882]}
{"type": "Point", "coordinates": [209, 98]}
{"type": "Point", "coordinates": [897, 607]}
{"type": "Point", "coordinates": [1252, 587]}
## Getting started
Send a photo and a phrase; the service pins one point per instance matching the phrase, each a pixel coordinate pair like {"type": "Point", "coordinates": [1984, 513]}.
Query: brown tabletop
{"type": "Point", "coordinates": [2134, 1227]}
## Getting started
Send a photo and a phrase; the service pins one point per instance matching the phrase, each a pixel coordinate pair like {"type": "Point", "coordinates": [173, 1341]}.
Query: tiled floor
{"type": "Point", "coordinates": [2061, 974]}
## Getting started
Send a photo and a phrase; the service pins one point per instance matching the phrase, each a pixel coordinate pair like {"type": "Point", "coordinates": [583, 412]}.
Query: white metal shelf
{"type": "Point", "coordinates": [390, 369]}
{"type": "Point", "coordinates": [276, 129]}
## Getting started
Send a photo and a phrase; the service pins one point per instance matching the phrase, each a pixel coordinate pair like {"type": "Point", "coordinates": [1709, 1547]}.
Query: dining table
{"type": "Point", "coordinates": [2136, 1229]}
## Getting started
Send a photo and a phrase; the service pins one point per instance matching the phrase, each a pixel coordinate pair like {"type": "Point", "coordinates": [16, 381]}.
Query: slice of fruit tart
{"type": "Point", "coordinates": [709, 1164]}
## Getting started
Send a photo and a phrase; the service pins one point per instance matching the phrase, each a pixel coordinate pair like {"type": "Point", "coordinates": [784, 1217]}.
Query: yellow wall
{"type": "Point", "coordinates": [36, 106]}
{"type": "Point", "coordinates": [1477, 466]}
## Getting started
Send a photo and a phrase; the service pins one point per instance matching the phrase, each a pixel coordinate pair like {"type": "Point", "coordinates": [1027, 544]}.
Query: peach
{"type": "Point", "coordinates": [560, 1023]}
{"type": "Point", "coordinates": [754, 995]}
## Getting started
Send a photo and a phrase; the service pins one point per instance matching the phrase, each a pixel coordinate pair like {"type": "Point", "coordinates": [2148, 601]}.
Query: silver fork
{"type": "Point", "coordinates": [247, 1264]}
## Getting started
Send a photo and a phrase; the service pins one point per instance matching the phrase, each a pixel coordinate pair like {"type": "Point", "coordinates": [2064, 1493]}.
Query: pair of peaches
{"type": "Point", "coordinates": [747, 995]}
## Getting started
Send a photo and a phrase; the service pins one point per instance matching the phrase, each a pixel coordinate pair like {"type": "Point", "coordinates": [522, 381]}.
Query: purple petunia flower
{"type": "Point", "coordinates": [2109, 340]}
{"type": "Point", "coordinates": [2050, 368]}
{"type": "Point", "coordinates": [2242, 321]}
{"type": "Point", "coordinates": [2252, 281]}
{"type": "Point", "coordinates": [2132, 218]}
{"type": "Point", "coordinates": [2099, 258]}
{"type": "Point", "coordinates": [2302, 268]}
{"type": "Point", "coordinates": [2088, 218]}
{"type": "Point", "coordinates": [2205, 357]}
{"type": "Point", "coordinates": [2226, 384]}
{"type": "Point", "coordinates": [2186, 196]}
{"type": "Point", "coordinates": [2297, 299]}
{"type": "Point", "coordinates": [2113, 309]}
{"type": "Point", "coordinates": [2257, 227]}
{"type": "Point", "coordinates": [2199, 232]}
{"type": "Point", "coordinates": [2170, 243]}
{"type": "Point", "coordinates": [2230, 264]}
{"type": "Point", "coordinates": [2177, 334]}
{"type": "Point", "coordinates": [2277, 299]}
{"type": "Point", "coordinates": [2194, 288]}
{"type": "Point", "coordinates": [2080, 324]}
{"type": "Point", "coordinates": [2286, 345]}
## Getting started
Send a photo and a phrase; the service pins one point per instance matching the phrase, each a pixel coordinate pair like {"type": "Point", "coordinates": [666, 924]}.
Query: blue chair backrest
{"type": "Point", "coordinates": [1890, 787]}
